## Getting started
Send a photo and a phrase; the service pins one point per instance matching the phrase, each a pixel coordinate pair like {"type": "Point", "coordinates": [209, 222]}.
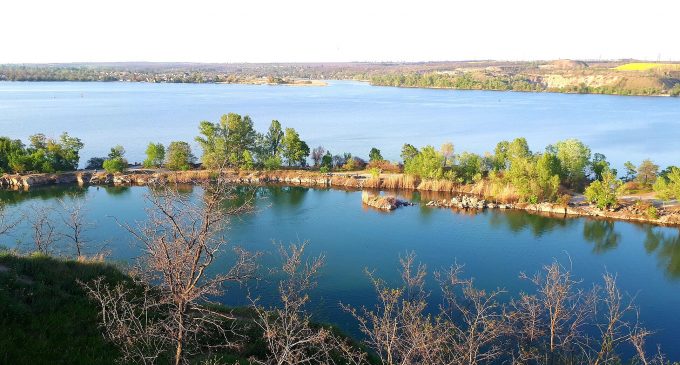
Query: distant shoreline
{"type": "Point", "coordinates": [607, 77]}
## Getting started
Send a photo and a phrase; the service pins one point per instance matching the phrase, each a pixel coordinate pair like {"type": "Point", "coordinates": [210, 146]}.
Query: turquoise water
{"type": "Point", "coordinates": [344, 116]}
{"type": "Point", "coordinates": [495, 246]}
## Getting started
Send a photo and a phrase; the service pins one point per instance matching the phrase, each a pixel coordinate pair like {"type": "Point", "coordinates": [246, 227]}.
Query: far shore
{"type": "Point", "coordinates": [467, 197]}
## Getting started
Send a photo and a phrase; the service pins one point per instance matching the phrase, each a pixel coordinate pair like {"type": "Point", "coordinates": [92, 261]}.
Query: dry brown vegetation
{"type": "Point", "coordinates": [179, 241]}
{"type": "Point", "coordinates": [557, 323]}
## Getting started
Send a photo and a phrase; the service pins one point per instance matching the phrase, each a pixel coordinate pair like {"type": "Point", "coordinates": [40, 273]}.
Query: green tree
{"type": "Point", "coordinates": [603, 193]}
{"type": "Point", "coordinates": [518, 148]}
{"type": "Point", "coordinates": [574, 157]}
{"type": "Point", "coordinates": [293, 149]}
{"type": "Point", "coordinates": [273, 138]}
{"type": "Point", "coordinates": [327, 161]}
{"type": "Point", "coordinates": [668, 187]}
{"type": "Point", "coordinates": [155, 155]}
{"type": "Point", "coordinates": [223, 143]}
{"type": "Point", "coordinates": [374, 155]}
{"type": "Point", "coordinates": [536, 178]}
{"type": "Point", "coordinates": [248, 161]}
{"type": "Point", "coordinates": [95, 163]}
{"type": "Point", "coordinates": [500, 156]}
{"type": "Point", "coordinates": [10, 151]}
{"type": "Point", "coordinates": [469, 168]}
{"type": "Point", "coordinates": [116, 164]}
{"type": "Point", "coordinates": [427, 164]}
{"type": "Point", "coordinates": [179, 156]}
{"type": "Point", "coordinates": [117, 151]}
{"type": "Point", "coordinates": [646, 173]}
{"type": "Point", "coordinates": [598, 165]}
{"type": "Point", "coordinates": [272, 163]}
{"type": "Point", "coordinates": [116, 161]}
{"type": "Point", "coordinates": [631, 171]}
{"type": "Point", "coordinates": [408, 152]}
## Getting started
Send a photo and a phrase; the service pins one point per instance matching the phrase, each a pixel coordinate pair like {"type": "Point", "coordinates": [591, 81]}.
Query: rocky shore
{"type": "Point", "coordinates": [466, 197]}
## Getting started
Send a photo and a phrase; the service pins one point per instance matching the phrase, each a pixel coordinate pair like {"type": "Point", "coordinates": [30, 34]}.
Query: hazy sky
{"type": "Point", "coordinates": [347, 30]}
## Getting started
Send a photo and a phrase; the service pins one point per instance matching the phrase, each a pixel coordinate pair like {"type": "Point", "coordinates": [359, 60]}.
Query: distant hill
{"type": "Point", "coordinates": [623, 77]}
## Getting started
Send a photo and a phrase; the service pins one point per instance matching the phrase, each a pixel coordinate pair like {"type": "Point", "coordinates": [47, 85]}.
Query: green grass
{"type": "Point", "coordinates": [645, 66]}
{"type": "Point", "coordinates": [45, 317]}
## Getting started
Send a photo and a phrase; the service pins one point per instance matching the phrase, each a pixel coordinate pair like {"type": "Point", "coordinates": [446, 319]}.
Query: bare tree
{"type": "Point", "coordinates": [76, 225]}
{"type": "Point", "coordinates": [549, 325]}
{"type": "Point", "coordinates": [180, 240]}
{"type": "Point", "coordinates": [615, 330]}
{"type": "Point", "coordinates": [43, 231]}
{"type": "Point", "coordinates": [6, 223]}
{"type": "Point", "coordinates": [129, 319]}
{"type": "Point", "coordinates": [397, 329]}
{"type": "Point", "coordinates": [474, 323]}
{"type": "Point", "coordinates": [287, 330]}
{"type": "Point", "coordinates": [317, 155]}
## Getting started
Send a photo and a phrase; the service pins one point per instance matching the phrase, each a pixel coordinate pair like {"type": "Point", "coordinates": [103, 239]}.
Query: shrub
{"type": "Point", "coordinates": [324, 169]}
{"type": "Point", "coordinates": [603, 192]}
{"type": "Point", "coordinates": [116, 164]}
{"type": "Point", "coordinates": [272, 163]}
{"type": "Point", "coordinates": [375, 172]}
{"type": "Point", "coordinates": [652, 212]}
{"type": "Point", "coordinates": [384, 166]}
{"type": "Point", "coordinates": [179, 156]}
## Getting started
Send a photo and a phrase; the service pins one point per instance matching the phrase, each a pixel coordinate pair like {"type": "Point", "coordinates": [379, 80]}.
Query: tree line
{"type": "Point", "coordinates": [233, 142]}
{"type": "Point", "coordinates": [517, 82]}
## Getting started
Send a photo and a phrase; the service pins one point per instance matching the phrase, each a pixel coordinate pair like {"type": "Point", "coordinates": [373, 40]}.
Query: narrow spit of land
{"type": "Point", "coordinates": [475, 196]}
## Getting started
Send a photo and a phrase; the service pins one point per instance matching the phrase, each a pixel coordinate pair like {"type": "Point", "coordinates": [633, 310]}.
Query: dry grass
{"type": "Point", "coordinates": [379, 201]}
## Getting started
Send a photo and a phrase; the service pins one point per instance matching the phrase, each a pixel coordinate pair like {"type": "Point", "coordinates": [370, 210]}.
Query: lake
{"type": "Point", "coordinates": [343, 117]}
{"type": "Point", "coordinates": [495, 246]}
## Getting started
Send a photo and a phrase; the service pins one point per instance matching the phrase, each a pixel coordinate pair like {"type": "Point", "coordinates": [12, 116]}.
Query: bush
{"type": "Point", "coordinates": [272, 163]}
{"type": "Point", "coordinates": [375, 172]}
{"type": "Point", "coordinates": [116, 164]}
{"type": "Point", "coordinates": [603, 192]}
{"type": "Point", "coordinates": [384, 166]}
{"type": "Point", "coordinates": [324, 169]}
{"type": "Point", "coordinates": [179, 156]}
{"type": "Point", "coordinates": [652, 212]}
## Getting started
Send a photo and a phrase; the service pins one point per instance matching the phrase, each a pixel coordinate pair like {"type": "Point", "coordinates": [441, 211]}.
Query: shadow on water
{"type": "Point", "coordinates": [666, 246]}
{"type": "Point", "coordinates": [601, 234]}
{"type": "Point", "coordinates": [518, 221]}
{"type": "Point", "coordinates": [14, 197]}
{"type": "Point", "coordinates": [284, 196]}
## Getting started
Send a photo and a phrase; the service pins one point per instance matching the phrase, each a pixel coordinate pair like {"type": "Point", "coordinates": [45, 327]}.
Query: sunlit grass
{"type": "Point", "coordinates": [644, 66]}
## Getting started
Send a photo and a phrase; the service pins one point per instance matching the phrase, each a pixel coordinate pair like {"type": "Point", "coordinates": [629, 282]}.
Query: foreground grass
{"type": "Point", "coordinates": [45, 317]}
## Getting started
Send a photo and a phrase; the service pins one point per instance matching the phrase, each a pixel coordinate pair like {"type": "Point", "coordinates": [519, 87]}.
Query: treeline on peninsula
{"type": "Point", "coordinates": [519, 82]}
{"type": "Point", "coordinates": [512, 172]}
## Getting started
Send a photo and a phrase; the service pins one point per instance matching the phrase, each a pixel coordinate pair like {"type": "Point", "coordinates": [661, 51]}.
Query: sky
{"type": "Point", "coordinates": [40, 31]}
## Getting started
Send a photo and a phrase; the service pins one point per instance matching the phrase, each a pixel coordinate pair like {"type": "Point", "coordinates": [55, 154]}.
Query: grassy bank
{"type": "Point", "coordinates": [47, 318]}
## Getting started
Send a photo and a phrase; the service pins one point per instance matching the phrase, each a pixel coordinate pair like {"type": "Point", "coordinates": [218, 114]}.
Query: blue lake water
{"type": "Point", "coordinates": [353, 117]}
{"type": "Point", "coordinates": [495, 246]}
{"type": "Point", "coordinates": [344, 116]}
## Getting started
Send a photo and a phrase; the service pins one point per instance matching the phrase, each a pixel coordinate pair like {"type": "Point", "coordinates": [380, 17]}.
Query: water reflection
{"type": "Point", "coordinates": [601, 234]}
{"type": "Point", "coordinates": [666, 246]}
{"type": "Point", "coordinates": [518, 221]}
{"type": "Point", "coordinates": [290, 196]}
{"type": "Point", "coordinates": [14, 197]}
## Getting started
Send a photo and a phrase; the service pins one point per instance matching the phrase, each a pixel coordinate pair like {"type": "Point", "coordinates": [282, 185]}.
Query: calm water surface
{"type": "Point", "coordinates": [494, 246]}
{"type": "Point", "coordinates": [344, 116]}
